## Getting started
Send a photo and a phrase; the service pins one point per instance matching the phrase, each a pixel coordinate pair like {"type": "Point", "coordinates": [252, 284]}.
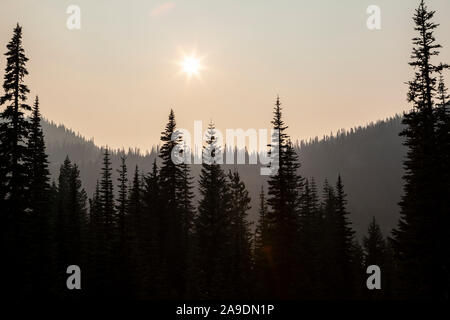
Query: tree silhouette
{"type": "Point", "coordinates": [283, 224]}
{"type": "Point", "coordinates": [422, 220]}
{"type": "Point", "coordinates": [212, 225]}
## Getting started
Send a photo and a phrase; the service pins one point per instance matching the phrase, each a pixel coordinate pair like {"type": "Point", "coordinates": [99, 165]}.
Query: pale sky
{"type": "Point", "coordinates": [117, 77]}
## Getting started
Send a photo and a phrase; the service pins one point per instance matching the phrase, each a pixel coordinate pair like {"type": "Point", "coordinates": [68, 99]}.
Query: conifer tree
{"type": "Point", "coordinates": [283, 214]}
{"type": "Point", "coordinates": [374, 245]}
{"type": "Point", "coordinates": [94, 204]}
{"type": "Point", "coordinates": [343, 241]}
{"type": "Point", "coordinates": [212, 224]}
{"type": "Point", "coordinates": [326, 254]}
{"type": "Point", "coordinates": [309, 221]}
{"type": "Point", "coordinates": [417, 237]}
{"type": "Point", "coordinates": [14, 201]}
{"type": "Point", "coordinates": [135, 195]}
{"type": "Point", "coordinates": [38, 164]}
{"type": "Point", "coordinates": [376, 252]}
{"type": "Point", "coordinates": [106, 192]}
{"type": "Point", "coordinates": [241, 242]}
{"type": "Point", "coordinates": [261, 228]}
{"type": "Point", "coordinates": [262, 256]}
{"type": "Point", "coordinates": [443, 150]}
{"type": "Point", "coordinates": [70, 222]}
{"type": "Point", "coordinates": [104, 236]}
{"type": "Point", "coordinates": [171, 221]}
{"type": "Point", "coordinates": [187, 213]}
{"type": "Point", "coordinates": [14, 132]}
{"type": "Point", "coordinates": [122, 199]}
{"type": "Point", "coordinates": [39, 202]}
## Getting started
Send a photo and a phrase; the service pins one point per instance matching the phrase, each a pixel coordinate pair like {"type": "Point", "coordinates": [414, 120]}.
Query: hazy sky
{"type": "Point", "coordinates": [117, 77]}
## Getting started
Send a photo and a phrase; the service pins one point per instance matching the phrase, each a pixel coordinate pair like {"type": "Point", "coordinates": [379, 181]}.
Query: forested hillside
{"type": "Point", "coordinates": [368, 157]}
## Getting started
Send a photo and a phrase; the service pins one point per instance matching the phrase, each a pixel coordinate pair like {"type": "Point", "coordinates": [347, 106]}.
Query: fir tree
{"type": "Point", "coordinates": [343, 241]}
{"type": "Point", "coordinates": [262, 256]}
{"type": "Point", "coordinates": [14, 132]}
{"type": "Point", "coordinates": [416, 238]}
{"type": "Point", "coordinates": [121, 206]}
{"type": "Point", "coordinates": [241, 244]}
{"type": "Point", "coordinates": [38, 164]}
{"type": "Point", "coordinates": [104, 235]}
{"type": "Point", "coordinates": [173, 249]}
{"type": "Point", "coordinates": [70, 222]}
{"type": "Point", "coordinates": [39, 202]}
{"type": "Point", "coordinates": [376, 252]}
{"type": "Point", "coordinates": [212, 224]}
{"type": "Point", "coordinates": [261, 228]}
{"type": "Point", "coordinates": [106, 191]}
{"type": "Point", "coordinates": [374, 245]}
{"type": "Point", "coordinates": [283, 217]}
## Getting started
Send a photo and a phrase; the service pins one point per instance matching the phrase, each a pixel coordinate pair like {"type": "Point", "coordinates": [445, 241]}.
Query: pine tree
{"type": "Point", "coordinates": [14, 131]}
{"type": "Point", "coordinates": [443, 151]}
{"type": "Point", "coordinates": [106, 192]}
{"type": "Point", "coordinates": [416, 238]}
{"type": "Point", "coordinates": [38, 164]}
{"type": "Point", "coordinates": [70, 223]}
{"type": "Point", "coordinates": [376, 253]}
{"type": "Point", "coordinates": [123, 268]}
{"type": "Point", "coordinates": [261, 228]}
{"type": "Point", "coordinates": [173, 251]}
{"type": "Point", "coordinates": [343, 241]}
{"type": "Point", "coordinates": [122, 199]}
{"type": "Point", "coordinates": [39, 202]}
{"type": "Point", "coordinates": [135, 195]}
{"type": "Point", "coordinates": [262, 256]}
{"type": "Point", "coordinates": [104, 235]}
{"type": "Point", "coordinates": [309, 220]}
{"type": "Point", "coordinates": [187, 213]}
{"type": "Point", "coordinates": [283, 217]}
{"type": "Point", "coordinates": [241, 242]}
{"type": "Point", "coordinates": [212, 224]}
{"type": "Point", "coordinates": [138, 229]}
{"type": "Point", "coordinates": [94, 204]}
{"type": "Point", "coordinates": [15, 233]}
{"type": "Point", "coordinates": [374, 245]}
{"type": "Point", "coordinates": [326, 252]}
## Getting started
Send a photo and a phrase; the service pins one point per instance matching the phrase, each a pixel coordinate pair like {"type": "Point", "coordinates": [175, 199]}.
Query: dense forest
{"type": "Point", "coordinates": [162, 230]}
{"type": "Point", "coordinates": [358, 152]}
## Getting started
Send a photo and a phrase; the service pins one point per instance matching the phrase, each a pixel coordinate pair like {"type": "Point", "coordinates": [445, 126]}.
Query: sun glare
{"type": "Point", "coordinates": [191, 65]}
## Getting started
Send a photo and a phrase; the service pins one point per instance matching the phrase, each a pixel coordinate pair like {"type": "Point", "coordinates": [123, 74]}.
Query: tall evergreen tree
{"type": "Point", "coordinates": [309, 221]}
{"type": "Point", "coordinates": [14, 131]}
{"type": "Point", "coordinates": [38, 164]}
{"type": "Point", "coordinates": [241, 242]}
{"type": "Point", "coordinates": [173, 251]}
{"type": "Point", "coordinates": [283, 217]}
{"type": "Point", "coordinates": [104, 235]}
{"type": "Point", "coordinates": [39, 202]}
{"type": "Point", "coordinates": [70, 223]}
{"type": "Point", "coordinates": [443, 150]}
{"type": "Point", "coordinates": [416, 238]}
{"type": "Point", "coordinates": [343, 241]}
{"type": "Point", "coordinates": [212, 224]}
{"type": "Point", "coordinates": [187, 213]}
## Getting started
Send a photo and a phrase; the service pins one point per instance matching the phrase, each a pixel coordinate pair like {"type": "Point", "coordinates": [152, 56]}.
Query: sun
{"type": "Point", "coordinates": [191, 65]}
